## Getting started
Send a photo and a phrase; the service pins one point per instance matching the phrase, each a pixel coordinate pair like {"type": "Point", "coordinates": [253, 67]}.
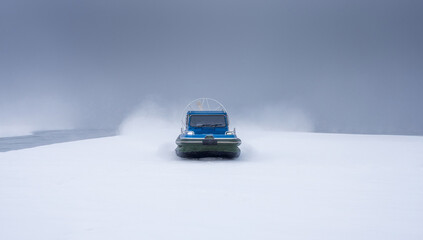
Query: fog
{"type": "Point", "coordinates": [324, 66]}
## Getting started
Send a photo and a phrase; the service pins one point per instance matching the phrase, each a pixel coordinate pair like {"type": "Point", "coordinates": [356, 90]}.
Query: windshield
{"type": "Point", "coordinates": [207, 121]}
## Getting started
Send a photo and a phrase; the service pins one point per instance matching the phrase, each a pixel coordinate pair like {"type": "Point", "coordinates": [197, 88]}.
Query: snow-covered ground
{"type": "Point", "coordinates": [284, 186]}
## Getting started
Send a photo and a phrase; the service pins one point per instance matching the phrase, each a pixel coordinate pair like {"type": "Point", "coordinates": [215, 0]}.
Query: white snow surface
{"type": "Point", "coordinates": [284, 186]}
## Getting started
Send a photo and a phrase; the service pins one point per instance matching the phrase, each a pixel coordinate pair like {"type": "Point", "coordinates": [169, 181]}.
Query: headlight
{"type": "Point", "coordinates": [229, 133]}
{"type": "Point", "coordinates": [190, 133]}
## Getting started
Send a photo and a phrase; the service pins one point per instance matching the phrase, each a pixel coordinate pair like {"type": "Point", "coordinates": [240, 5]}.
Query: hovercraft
{"type": "Point", "coordinates": [205, 132]}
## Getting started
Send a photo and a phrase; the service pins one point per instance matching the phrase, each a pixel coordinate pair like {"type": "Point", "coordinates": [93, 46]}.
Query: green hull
{"type": "Point", "coordinates": [196, 148]}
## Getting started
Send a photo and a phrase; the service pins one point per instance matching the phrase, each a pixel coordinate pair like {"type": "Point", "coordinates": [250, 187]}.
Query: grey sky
{"type": "Point", "coordinates": [352, 66]}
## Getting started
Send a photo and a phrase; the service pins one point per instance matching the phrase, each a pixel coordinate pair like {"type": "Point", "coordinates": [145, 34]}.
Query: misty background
{"type": "Point", "coordinates": [332, 66]}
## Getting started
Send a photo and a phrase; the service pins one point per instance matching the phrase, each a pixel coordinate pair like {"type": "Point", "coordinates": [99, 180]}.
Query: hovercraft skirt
{"type": "Point", "coordinates": [205, 154]}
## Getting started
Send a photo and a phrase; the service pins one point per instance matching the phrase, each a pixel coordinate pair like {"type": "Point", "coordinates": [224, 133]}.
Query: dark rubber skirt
{"type": "Point", "coordinates": [205, 154]}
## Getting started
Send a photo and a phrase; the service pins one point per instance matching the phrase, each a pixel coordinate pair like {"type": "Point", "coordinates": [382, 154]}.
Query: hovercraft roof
{"type": "Point", "coordinates": [206, 112]}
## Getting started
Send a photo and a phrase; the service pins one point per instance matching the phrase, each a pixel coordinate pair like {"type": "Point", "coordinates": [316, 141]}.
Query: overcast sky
{"type": "Point", "coordinates": [349, 66]}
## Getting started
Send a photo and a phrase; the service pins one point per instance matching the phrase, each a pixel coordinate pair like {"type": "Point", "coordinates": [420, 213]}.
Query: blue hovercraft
{"type": "Point", "coordinates": [205, 132]}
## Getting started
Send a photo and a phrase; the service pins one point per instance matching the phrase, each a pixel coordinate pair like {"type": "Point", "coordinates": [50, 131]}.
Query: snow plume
{"type": "Point", "coordinates": [151, 117]}
{"type": "Point", "coordinates": [153, 127]}
{"type": "Point", "coordinates": [275, 117]}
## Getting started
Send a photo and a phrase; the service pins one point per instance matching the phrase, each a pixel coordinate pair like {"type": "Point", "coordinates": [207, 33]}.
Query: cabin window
{"type": "Point", "coordinates": [207, 121]}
